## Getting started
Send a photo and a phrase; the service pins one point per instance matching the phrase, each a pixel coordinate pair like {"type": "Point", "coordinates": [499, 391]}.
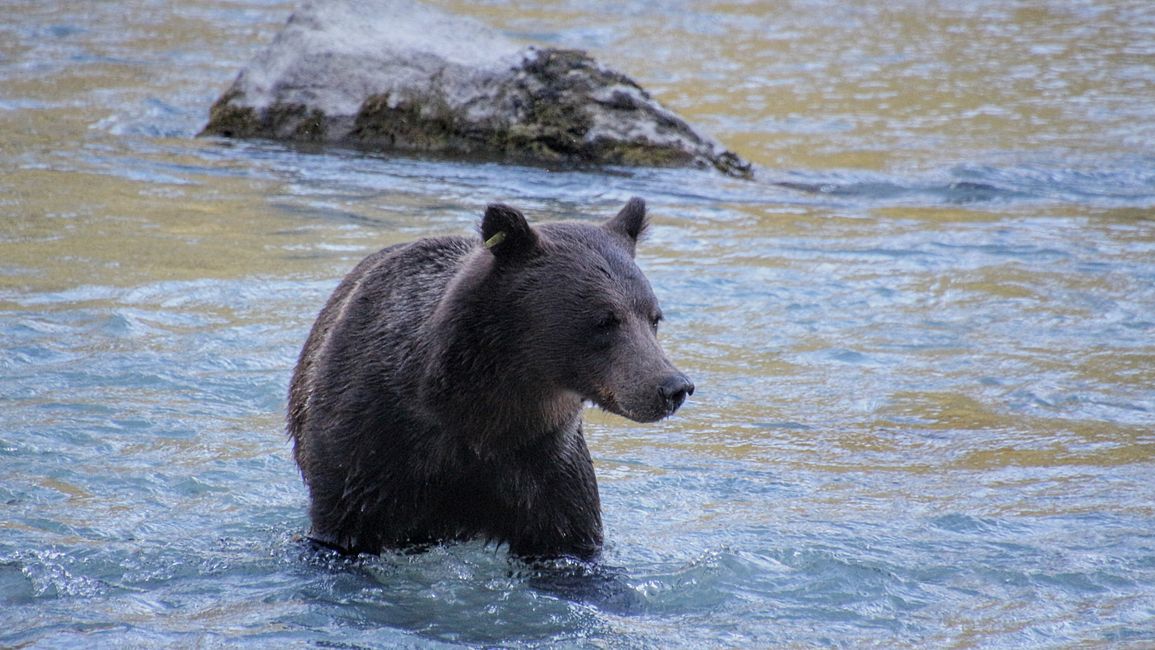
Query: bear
{"type": "Point", "coordinates": [438, 396]}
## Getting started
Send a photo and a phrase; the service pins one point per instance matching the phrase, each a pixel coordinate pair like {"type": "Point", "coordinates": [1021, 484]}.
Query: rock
{"type": "Point", "coordinates": [394, 75]}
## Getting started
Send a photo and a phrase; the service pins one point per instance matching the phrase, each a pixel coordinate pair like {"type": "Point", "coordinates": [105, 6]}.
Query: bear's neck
{"type": "Point", "coordinates": [494, 408]}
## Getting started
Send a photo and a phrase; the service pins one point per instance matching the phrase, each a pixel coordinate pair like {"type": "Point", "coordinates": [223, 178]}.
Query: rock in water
{"type": "Point", "coordinates": [394, 75]}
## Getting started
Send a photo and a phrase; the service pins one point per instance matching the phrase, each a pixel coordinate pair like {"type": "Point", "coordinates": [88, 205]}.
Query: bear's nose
{"type": "Point", "coordinates": [674, 390]}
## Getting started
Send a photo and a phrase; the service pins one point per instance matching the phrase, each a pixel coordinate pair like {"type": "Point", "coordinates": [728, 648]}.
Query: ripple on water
{"type": "Point", "coordinates": [922, 340]}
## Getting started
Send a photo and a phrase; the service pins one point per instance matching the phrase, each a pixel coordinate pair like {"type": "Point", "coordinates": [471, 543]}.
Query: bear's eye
{"type": "Point", "coordinates": [654, 320]}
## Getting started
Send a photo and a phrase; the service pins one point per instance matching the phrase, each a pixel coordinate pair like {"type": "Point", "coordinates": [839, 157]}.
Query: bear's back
{"type": "Point", "coordinates": [365, 333]}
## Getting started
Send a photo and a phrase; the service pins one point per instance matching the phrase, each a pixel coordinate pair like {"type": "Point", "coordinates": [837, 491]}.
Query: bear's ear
{"type": "Point", "coordinates": [631, 222]}
{"type": "Point", "coordinates": [506, 233]}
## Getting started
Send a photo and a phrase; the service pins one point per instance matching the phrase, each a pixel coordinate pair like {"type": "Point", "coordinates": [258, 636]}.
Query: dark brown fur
{"type": "Point", "coordinates": [439, 393]}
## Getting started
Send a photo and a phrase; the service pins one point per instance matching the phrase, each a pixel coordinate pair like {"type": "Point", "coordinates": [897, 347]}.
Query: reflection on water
{"type": "Point", "coordinates": [923, 340]}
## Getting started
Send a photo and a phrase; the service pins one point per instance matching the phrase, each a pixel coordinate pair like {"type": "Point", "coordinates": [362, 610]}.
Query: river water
{"type": "Point", "coordinates": [923, 338]}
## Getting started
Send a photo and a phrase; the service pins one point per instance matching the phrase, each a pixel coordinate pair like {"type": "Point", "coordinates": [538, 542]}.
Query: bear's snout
{"type": "Point", "coordinates": [674, 391]}
{"type": "Point", "coordinates": [647, 401]}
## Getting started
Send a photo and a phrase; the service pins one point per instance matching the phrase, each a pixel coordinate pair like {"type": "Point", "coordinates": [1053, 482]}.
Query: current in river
{"type": "Point", "coordinates": [923, 337]}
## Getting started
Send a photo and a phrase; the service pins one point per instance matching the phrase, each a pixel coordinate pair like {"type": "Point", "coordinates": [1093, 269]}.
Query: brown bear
{"type": "Point", "coordinates": [439, 394]}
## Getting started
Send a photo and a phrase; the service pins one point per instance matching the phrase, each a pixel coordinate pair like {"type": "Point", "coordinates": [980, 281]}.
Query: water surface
{"type": "Point", "coordinates": [923, 339]}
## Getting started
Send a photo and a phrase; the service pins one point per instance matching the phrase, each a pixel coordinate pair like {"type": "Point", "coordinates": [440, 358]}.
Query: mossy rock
{"type": "Point", "coordinates": [391, 75]}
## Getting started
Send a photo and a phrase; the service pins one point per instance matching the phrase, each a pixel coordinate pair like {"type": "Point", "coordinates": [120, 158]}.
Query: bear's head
{"type": "Point", "coordinates": [585, 311]}
{"type": "Point", "coordinates": [540, 319]}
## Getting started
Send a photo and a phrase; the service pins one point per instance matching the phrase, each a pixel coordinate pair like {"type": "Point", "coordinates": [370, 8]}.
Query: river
{"type": "Point", "coordinates": [923, 338]}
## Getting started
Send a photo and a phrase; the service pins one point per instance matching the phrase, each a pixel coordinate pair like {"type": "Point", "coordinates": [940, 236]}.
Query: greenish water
{"type": "Point", "coordinates": [923, 340]}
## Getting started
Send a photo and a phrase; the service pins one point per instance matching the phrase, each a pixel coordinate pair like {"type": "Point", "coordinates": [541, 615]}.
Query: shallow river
{"type": "Point", "coordinates": [923, 338]}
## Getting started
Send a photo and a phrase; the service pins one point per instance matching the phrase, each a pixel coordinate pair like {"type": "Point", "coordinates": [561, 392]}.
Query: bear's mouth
{"type": "Point", "coordinates": [607, 402]}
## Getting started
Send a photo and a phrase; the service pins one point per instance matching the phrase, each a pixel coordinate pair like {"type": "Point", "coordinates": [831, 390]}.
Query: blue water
{"type": "Point", "coordinates": [925, 362]}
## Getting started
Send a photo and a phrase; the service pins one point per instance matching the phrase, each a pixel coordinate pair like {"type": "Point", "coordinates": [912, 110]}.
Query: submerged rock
{"type": "Point", "coordinates": [394, 75]}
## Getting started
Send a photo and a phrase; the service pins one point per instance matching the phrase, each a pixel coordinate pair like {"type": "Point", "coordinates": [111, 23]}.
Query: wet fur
{"type": "Point", "coordinates": [439, 393]}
